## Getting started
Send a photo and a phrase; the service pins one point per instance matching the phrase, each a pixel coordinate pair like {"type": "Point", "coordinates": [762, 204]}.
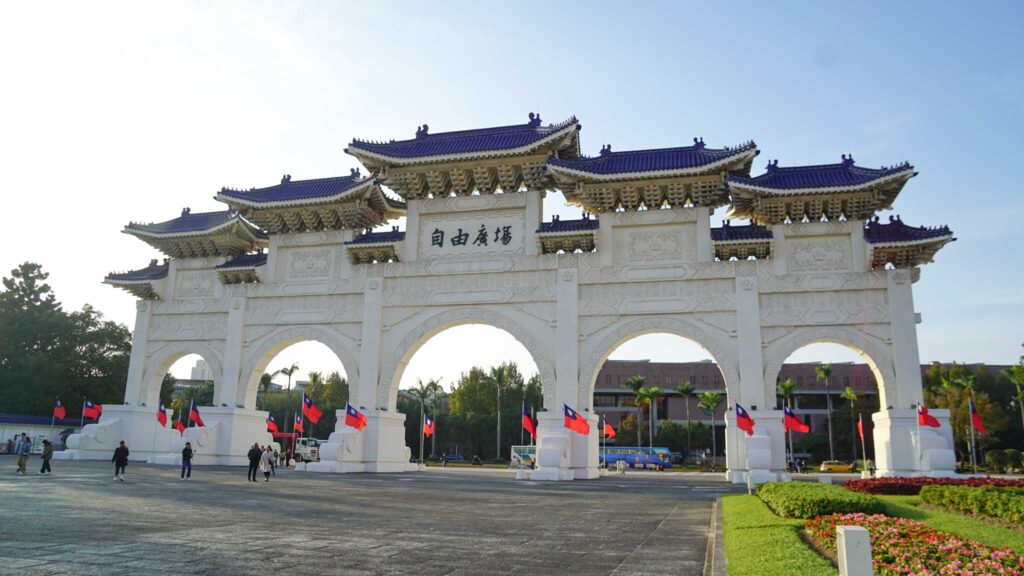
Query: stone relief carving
{"type": "Point", "coordinates": [720, 347]}
{"type": "Point", "coordinates": [639, 297]}
{"type": "Point", "coordinates": [647, 245]}
{"type": "Point", "coordinates": [195, 284]}
{"type": "Point", "coordinates": [847, 307]}
{"type": "Point", "coordinates": [807, 255]}
{"type": "Point", "coordinates": [309, 264]}
{"type": "Point", "coordinates": [823, 281]}
{"type": "Point", "coordinates": [474, 288]}
{"type": "Point", "coordinates": [473, 203]}
{"type": "Point", "coordinates": [401, 354]}
{"type": "Point", "coordinates": [311, 238]}
{"type": "Point", "coordinates": [306, 309]}
{"type": "Point", "coordinates": [875, 352]}
{"type": "Point", "coordinates": [208, 326]}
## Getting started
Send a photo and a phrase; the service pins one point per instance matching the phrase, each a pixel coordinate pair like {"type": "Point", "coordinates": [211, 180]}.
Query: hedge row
{"type": "Point", "coordinates": [912, 486]}
{"type": "Point", "coordinates": [1002, 503]}
{"type": "Point", "coordinates": [900, 546]}
{"type": "Point", "coordinates": [806, 500]}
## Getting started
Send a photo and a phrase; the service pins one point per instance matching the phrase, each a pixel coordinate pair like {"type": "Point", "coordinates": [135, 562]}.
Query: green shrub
{"type": "Point", "coordinates": [996, 460]}
{"type": "Point", "coordinates": [1002, 503]}
{"type": "Point", "coordinates": [806, 500]}
{"type": "Point", "coordinates": [1013, 457]}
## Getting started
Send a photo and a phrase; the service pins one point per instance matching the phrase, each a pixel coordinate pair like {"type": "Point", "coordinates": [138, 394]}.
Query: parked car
{"type": "Point", "coordinates": [836, 466]}
{"type": "Point", "coordinates": [308, 450]}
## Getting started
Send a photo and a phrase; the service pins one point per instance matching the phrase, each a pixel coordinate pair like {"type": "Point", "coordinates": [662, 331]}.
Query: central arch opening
{"type": "Point", "coordinates": [472, 381]}
{"type": "Point", "coordinates": [664, 397]}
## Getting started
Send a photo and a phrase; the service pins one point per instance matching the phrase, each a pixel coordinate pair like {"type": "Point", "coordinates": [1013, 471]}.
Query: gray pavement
{"type": "Point", "coordinates": [439, 522]}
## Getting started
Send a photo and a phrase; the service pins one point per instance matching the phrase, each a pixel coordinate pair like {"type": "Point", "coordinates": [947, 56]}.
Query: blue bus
{"type": "Point", "coordinates": [641, 457]}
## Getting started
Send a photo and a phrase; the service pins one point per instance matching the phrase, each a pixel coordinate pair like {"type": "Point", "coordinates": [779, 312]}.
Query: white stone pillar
{"type": "Point", "coordinates": [531, 221]}
{"type": "Point", "coordinates": [779, 256]}
{"type": "Point", "coordinates": [369, 347]}
{"type": "Point", "coordinates": [907, 389]}
{"type": "Point", "coordinates": [605, 250]}
{"type": "Point", "coordinates": [853, 544]}
{"type": "Point", "coordinates": [230, 390]}
{"type": "Point", "coordinates": [705, 251]}
{"type": "Point", "coordinates": [344, 264]}
{"type": "Point", "coordinates": [751, 387]}
{"type": "Point", "coordinates": [135, 391]}
{"type": "Point", "coordinates": [412, 230]}
{"type": "Point", "coordinates": [567, 343]}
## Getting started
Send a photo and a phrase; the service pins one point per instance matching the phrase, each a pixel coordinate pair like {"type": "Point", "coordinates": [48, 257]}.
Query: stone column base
{"type": "Point", "coordinates": [903, 448]}
{"type": "Point", "coordinates": [761, 457]}
{"type": "Point", "coordinates": [379, 447]}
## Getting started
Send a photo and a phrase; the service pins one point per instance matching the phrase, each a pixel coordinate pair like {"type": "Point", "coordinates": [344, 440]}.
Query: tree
{"type": "Point", "coordinates": [499, 376]}
{"type": "Point", "coordinates": [648, 397]}
{"type": "Point", "coordinates": [686, 391]}
{"type": "Point", "coordinates": [167, 389]}
{"type": "Point", "coordinates": [424, 392]}
{"type": "Point", "coordinates": [288, 371]}
{"type": "Point", "coordinates": [823, 372]}
{"type": "Point", "coordinates": [261, 392]}
{"type": "Point", "coordinates": [785, 390]}
{"type": "Point", "coordinates": [708, 403]}
{"type": "Point", "coordinates": [1016, 377]}
{"type": "Point", "coordinates": [851, 396]}
{"type": "Point", "coordinates": [635, 383]}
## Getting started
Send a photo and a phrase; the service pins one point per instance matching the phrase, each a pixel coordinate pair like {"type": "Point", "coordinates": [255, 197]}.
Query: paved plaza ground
{"type": "Point", "coordinates": [440, 522]}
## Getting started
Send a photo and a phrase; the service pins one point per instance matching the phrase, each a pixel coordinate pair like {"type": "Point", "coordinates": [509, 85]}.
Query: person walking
{"type": "Point", "coordinates": [120, 460]}
{"type": "Point", "coordinates": [265, 463]}
{"type": "Point", "coordinates": [254, 461]}
{"type": "Point", "coordinates": [10, 446]}
{"type": "Point", "coordinates": [47, 455]}
{"type": "Point", "coordinates": [186, 461]}
{"type": "Point", "coordinates": [23, 449]}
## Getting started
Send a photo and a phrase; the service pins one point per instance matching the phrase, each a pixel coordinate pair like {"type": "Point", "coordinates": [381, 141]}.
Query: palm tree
{"type": "Point", "coordinates": [288, 372]}
{"type": "Point", "coordinates": [824, 374]}
{"type": "Point", "coordinates": [635, 383]}
{"type": "Point", "coordinates": [499, 375]}
{"type": "Point", "coordinates": [438, 394]}
{"type": "Point", "coordinates": [851, 396]}
{"type": "Point", "coordinates": [708, 403]}
{"type": "Point", "coordinates": [686, 391]}
{"type": "Point", "coordinates": [785, 389]}
{"type": "Point", "coordinates": [261, 391]}
{"type": "Point", "coordinates": [424, 392]}
{"type": "Point", "coordinates": [649, 397]}
{"type": "Point", "coordinates": [1016, 376]}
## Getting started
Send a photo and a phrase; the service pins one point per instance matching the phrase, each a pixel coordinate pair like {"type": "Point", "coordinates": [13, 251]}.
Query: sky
{"type": "Point", "coordinates": [113, 112]}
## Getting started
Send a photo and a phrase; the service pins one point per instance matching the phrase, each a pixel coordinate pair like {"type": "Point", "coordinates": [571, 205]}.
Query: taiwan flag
{"type": "Point", "coordinates": [58, 410]}
{"type": "Point", "coordinates": [193, 415]}
{"type": "Point", "coordinates": [309, 410]}
{"type": "Point", "coordinates": [298, 423]}
{"type": "Point", "coordinates": [744, 421]}
{"type": "Point", "coordinates": [791, 422]}
{"type": "Point", "coordinates": [271, 425]}
{"type": "Point", "coordinates": [428, 426]}
{"type": "Point", "coordinates": [860, 426]}
{"type": "Point", "coordinates": [354, 418]}
{"type": "Point", "coordinates": [161, 415]}
{"type": "Point", "coordinates": [976, 419]}
{"type": "Point", "coordinates": [528, 424]}
{"type": "Point", "coordinates": [90, 410]}
{"type": "Point", "coordinates": [926, 419]}
{"type": "Point", "coordinates": [178, 425]}
{"type": "Point", "coordinates": [574, 421]}
{"type": "Point", "coordinates": [609, 432]}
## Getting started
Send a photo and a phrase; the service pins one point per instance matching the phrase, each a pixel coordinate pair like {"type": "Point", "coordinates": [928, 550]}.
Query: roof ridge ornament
{"type": "Point", "coordinates": [606, 149]}
{"type": "Point", "coordinates": [698, 143]}
{"type": "Point", "coordinates": [286, 178]}
{"type": "Point", "coordinates": [772, 166]}
{"type": "Point", "coordinates": [847, 159]}
{"type": "Point", "coordinates": [186, 211]}
{"type": "Point", "coordinates": [355, 173]}
{"type": "Point", "coordinates": [422, 131]}
{"type": "Point", "coordinates": [534, 120]}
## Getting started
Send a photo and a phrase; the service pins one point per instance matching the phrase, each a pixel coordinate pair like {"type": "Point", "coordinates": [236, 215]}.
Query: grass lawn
{"type": "Point", "coordinates": [759, 543]}
{"type": "Point", "coordinates": [961, 525]}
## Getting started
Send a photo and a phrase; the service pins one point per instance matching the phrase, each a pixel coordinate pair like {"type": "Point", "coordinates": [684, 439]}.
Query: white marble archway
{"type": "Point", "coordinates": [716, 345]}
{"type": "Point", "coordinates": [165, 356]}
{"type": "Point", "coordinates": [259, 356]}
{"type": "Point", "coordinates": [417, 335]}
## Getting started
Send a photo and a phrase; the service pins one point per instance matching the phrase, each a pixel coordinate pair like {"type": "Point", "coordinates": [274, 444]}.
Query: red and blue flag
{"type": "Point", "coordinates": [298, 423]}
{"type": "Point", "coordinates": [309, 410]}
{"type": "Point", "coordinates": [924, 418]}
{"type": "Point", "coordinates": [178, 425]}
{"type": "Point", "coordinates": [976, 418]}
{"type": "Point", "coordinates": [354, 418]}
{"type": "Point", "coordinates": [528, 422]}
{"type": "Point", "coordinates": [428, 426]}
{"type": "Point", "coordinates": [58, 410]}
{"type": "Point", "coordinates": [161, 415]}
{"type": "Point", "coordinates": [609, 432]}
{"type": "Point", "coordinates": [193, 415]}
{"type": "Point", "coordinates": [272, 425]}
{"type": "Point", "coordinates": [574, 421]}
{"type": "Point", "coordinates": [90, 410]}
{"type": "Point", "coordinates": [744, 421]}
{"type": "Point", "coordinates": [791, 422]}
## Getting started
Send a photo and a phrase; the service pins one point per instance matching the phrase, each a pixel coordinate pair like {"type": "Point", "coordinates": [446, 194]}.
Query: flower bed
{"type": "Point", "coordinates": [806, 500]}
{"type": "Point", "coordinates": [912, 486]}
{"type": "Point", "coordinates": [1001, 503]}
{"type": "Point", "coordinates": [900, 546]}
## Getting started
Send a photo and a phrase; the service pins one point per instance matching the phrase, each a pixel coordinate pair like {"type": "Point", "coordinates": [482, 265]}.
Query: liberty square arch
{"type": "Point", "coordinates": [298, 261]}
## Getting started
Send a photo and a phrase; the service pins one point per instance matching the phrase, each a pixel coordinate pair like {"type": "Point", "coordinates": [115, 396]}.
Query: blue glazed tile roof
{"type": "Point", "coordinates": [657, 160]}
{"type": "Point", "coordinates": [187, 222]}
{"type": "Point", "coordinates": [297, 191]}
{"type": "Point", "coordinates": [727, 232]}
{"type": "Point", "coordinates": [896, 231]}
{"type": "Point", "coordinates": [155, 271]}
{"type": "Point", "coordinates": [369, 237]}
{"type": "Point", "coordinates": [842, 175]}
{"type": "Point", "coordinates": [465, 141]}
{"type": "Point", "coordinates": [245, 261]}
{"type": "Point", "coordinates": [556, 225]}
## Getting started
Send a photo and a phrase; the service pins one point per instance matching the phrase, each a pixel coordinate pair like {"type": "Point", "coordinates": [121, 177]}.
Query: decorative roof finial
{"type": "Point", "coordinates": [847, 159]}
{"type": "Point", "coordinates": [698, 142]}
{"type": "Point", "coordinates": [772, 166]}
{"type": "Point", "coordinates": [606, 149]}
{"type": "Point", "coordinates": [421, 131]}
{"type": "Point", "coordinates": [286, 178]}
{"type": "Point", "coordinates": [152, 263]}
{"type": "Point", "coordinates": [534, 119]}
{"type": "Point", "coordinates": [186, 211]}
{"type": "Point", "coordinates": [355, 173]}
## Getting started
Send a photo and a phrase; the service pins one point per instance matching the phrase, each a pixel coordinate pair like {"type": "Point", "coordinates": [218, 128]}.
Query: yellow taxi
{"type": "Point", "coordinates": [836, 466]}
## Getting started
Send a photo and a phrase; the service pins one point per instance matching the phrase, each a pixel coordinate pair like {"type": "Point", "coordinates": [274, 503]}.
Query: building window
{"type": "Point", "coordinates": [604, 400]}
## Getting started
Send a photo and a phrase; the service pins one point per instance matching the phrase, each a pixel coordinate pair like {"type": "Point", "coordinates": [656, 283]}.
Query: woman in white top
{"type": "Point", "coordinates": [265, 462]}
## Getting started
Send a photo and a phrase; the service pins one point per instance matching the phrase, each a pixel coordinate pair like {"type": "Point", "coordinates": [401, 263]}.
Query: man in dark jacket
{"type": "Point", "coordinates": [120, 460]}
{"type": "Point", "coordinates": [47, 455]}
{"type": "Point", "coordinates": [254, 461]}
{"type": "Point", "coordinates": [186, 461]}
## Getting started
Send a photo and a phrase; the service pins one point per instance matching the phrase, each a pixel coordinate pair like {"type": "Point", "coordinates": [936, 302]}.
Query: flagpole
{"type": "Point", "coordinates": [82, 423]}
{"type": "Point", "coordinates": [970, 417]}
{"type": "Point", "coordinates": [789, 433]}
{"type": "Point", "coordinates": [863, 447]}
{"type": "Point", "coordinates": [188, 419]}
{"type": "Point", "coordinates": [522, 431]}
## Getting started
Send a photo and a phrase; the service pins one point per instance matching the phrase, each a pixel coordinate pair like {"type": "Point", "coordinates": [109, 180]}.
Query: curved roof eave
{"type": "Point", "coordinates": [748, 154]}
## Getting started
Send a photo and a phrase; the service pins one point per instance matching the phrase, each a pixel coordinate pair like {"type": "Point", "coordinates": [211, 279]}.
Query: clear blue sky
{"type": "Point", "coordinates": [118, 112]}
